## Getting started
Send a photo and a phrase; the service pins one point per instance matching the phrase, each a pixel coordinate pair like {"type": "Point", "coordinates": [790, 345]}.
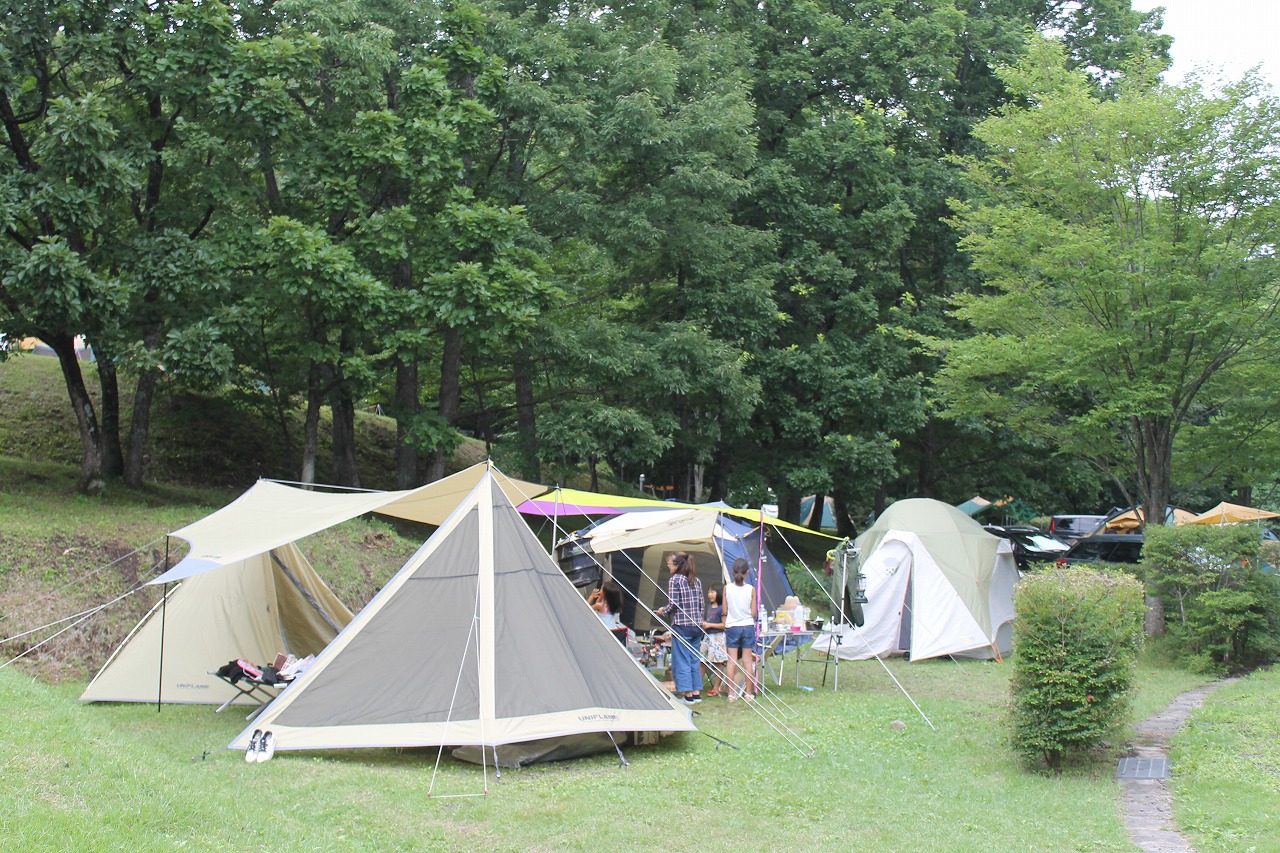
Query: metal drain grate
{"type": "Point", "coordinates": [1143, 768]}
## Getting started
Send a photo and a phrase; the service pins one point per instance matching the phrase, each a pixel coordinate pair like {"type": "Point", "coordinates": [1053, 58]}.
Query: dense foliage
{"type": "Point", "coordinates": [1078, 633]}
{"type": "Point", "coordinates": [697, 242]}
{"type": "Point", "coordinates": [1220, 591]}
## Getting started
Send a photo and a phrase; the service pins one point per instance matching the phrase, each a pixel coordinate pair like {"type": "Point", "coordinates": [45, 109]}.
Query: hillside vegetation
{"type": "Point", "coordinates": [62, 553]}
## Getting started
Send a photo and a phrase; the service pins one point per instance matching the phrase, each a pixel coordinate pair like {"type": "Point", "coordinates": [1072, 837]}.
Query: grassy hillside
{"type": "Point", "coordinates": [198, 440]}
{"type": "Point", "coordinates": [62, 553]}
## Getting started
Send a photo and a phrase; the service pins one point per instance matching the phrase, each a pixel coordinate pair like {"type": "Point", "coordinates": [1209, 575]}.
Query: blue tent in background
{"type": "Point", "coordinates": [828, 512]}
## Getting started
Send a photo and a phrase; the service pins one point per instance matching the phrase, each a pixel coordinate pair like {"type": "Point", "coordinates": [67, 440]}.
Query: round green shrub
{"type": "Point", "coordinates": [1078, 634]}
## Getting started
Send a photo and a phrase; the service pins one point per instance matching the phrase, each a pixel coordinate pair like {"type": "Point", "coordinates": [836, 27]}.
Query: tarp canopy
{"type": "Point", "coordinates": [271, 514]}
{"type": "Point", "coordinates": [1228, 513]}
{"type": "Point", "coordinates": [936, 584]}
{"type": "Point", "coordinates": [558, 501]}
{"type": "Point", "coordinates": [478, 640]}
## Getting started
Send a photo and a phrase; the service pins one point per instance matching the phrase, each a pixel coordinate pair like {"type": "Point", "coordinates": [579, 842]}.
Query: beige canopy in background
{"type": "Point", "coordinates": [1225, 513]}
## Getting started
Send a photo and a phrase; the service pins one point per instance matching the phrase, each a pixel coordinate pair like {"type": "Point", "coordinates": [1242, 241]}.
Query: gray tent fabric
{"type": "Point", "coordinates": [478, 640]}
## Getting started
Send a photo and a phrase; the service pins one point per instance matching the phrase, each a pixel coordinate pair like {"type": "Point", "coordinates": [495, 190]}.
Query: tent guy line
{"type": "Point", "coordinates": [83, 578]}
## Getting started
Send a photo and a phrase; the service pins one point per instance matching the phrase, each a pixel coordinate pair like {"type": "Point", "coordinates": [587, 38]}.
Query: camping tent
{"type": "Point", "coordinates": [1225, 513]}
{"type": "Point", "coordinates": [478, 640]}
{"type": "Point", "coordinates": [264, 597]}
{"type": "Point", "coordinates": [1131, 519]}
{"type": "Point", "coordinates": [264, 604]}
{"type": "Point", "coordinates": [937, 584]}
{"type": "Point", "coordinates": [632, 548]}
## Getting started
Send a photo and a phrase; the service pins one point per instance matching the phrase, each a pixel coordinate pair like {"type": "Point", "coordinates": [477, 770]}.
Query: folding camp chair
{"type": "Point", "coordinates": [260, 691]}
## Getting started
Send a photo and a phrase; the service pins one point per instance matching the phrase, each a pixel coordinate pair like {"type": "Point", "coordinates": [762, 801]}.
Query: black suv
{"type": "Point", "coordinates": [1106, 548]}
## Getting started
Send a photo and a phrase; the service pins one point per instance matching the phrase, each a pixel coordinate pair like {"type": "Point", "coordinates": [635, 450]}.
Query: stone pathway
{"type": "Point", "coordinates": [1146, 803]}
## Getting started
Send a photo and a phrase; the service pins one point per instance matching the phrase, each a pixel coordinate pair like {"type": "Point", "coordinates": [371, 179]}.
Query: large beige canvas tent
{"type": "Point", "coordinates": [937, 584]}
{"type": "Point", "coordinates": [479, 640]}
{"type": "Point", "coordinates": [247, 592]}
{"type": "Point", "coordinates": [252, 609]}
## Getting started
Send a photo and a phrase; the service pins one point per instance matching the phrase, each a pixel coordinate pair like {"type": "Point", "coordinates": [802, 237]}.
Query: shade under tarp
{"type": "Point", "coordinates": [271, 514]}
{"type": "Point", "coordinates": [1227, 513]}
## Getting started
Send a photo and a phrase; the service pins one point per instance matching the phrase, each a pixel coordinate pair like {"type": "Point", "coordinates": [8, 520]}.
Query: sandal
{"type": "Point", "coordinates": [714, 691]}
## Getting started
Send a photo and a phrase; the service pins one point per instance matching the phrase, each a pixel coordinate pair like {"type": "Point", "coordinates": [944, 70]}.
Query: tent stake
{"type": "Point", "coordinates": [719, 742]}
{"type": "Point", "coordinates": [622, 758]}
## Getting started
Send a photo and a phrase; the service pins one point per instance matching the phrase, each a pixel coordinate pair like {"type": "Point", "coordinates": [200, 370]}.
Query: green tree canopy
{"type": "Point", "coordinates": [1128, 248]}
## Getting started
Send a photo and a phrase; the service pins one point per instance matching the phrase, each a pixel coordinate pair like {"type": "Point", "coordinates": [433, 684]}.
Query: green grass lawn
{"type": "Point", "coordinates": [124, 777]}
{"type": "Point", "coordinates": [1226, 764]}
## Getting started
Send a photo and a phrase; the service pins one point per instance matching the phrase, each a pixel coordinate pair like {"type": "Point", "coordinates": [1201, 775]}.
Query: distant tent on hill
{"type": "Point", "coordinates": [478, 641]}
{"type": "Point", "coordinates": [937, 584]}
{"type": "Point", "coordinates": [247, 592]}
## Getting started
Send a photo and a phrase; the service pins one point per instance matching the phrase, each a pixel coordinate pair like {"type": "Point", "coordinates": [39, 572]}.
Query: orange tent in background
{"type": "Point", "coordinates": [1225, 513]}
{"type": "Point", "coordinates": [1127, 522]}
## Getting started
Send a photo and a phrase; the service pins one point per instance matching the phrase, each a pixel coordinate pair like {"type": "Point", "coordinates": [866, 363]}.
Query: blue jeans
{"type": "Point", "coordinates": [684, 658]}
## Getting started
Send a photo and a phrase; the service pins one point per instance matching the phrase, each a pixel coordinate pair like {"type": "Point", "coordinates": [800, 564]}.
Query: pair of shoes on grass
{"type": "Point", "coordinates": [691, 699]}
{"type": "Point", "coordinates": [261, 746]}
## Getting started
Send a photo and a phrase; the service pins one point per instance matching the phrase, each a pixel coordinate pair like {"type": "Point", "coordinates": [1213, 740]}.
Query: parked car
{"type": "Point", "coordinates": [1106, 548]}
{"type": "Point", "coordinates": [1030, 544]}
{"type": "Point", "coordinates": [1069, 528]}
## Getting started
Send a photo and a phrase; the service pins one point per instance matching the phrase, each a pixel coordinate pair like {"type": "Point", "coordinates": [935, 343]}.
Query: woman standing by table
{"type": "Point", "coordinates": [685, 614]}
{"type": "Point", "coordinates": [740, 630]}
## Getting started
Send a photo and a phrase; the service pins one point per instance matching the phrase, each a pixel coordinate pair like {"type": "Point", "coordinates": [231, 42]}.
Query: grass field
{"type": "Point", "coordinates": [124, 777]}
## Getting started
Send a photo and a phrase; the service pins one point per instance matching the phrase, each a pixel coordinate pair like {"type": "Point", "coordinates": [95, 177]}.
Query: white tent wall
{"type": "Point", "coordinates": [252, 609]}
{"type": "Point", "coordinates": [961, 617]}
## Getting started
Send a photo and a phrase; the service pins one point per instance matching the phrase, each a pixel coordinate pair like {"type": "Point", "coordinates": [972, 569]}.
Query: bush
{"type": "Point", "coordinates": [1078, 633]}
{"type": "Point", "coordinates": [1222, 609]}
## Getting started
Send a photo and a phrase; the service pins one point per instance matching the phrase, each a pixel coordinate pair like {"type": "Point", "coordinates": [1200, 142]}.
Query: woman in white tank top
{"type": "Point", "coordinates": [740, 630]}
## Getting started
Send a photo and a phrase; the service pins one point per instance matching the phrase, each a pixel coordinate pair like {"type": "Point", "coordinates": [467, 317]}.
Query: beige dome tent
{"type": "Point", "coordinates": [478, 641]}
{"type": "Point", "coordinates": [937, 584]}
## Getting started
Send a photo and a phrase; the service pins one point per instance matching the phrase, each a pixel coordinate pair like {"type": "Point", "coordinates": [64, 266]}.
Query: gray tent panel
{"type": "Point", "coordinates": [404, 666]}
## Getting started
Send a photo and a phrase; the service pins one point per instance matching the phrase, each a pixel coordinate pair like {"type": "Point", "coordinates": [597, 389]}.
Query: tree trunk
{"type": "Point", "coordinates": [526, 424]}
{"type": "Point", "coordinates": [311, 426]}
{"type": "Point", "coordinates": [844, 520]}
{"type": "Point", "coordinates": [406, 410]}
{"type": "Point", "coordinates": [1154, 458]}
{"type": "Point", "coordinates": [450, 389]}
{"type": "Point", "coordinates": [819, 509]}
{"type": "Point", "coordinates": [112, 450]}
{"type": "Point", "coordinates": [140, 417]}
{"type": "Point", "coordinates": [346, 470]}
{"type": "Point", "coordinates": [91, 481]}
{"type": "Point", "coordinates": [140, 427]}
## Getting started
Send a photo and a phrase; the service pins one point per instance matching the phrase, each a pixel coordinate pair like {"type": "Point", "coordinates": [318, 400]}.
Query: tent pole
{"type": "Point", "coordinates": [164, 604]}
